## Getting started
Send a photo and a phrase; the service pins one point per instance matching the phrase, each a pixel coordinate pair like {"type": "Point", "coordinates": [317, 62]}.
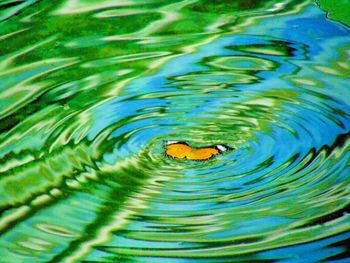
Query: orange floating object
{"type": "Point", "coordinates": [181, 150]}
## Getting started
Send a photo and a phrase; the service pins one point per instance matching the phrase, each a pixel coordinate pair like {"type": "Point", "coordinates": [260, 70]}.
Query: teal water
{"type": "Point", "coordinates": [91, 90]}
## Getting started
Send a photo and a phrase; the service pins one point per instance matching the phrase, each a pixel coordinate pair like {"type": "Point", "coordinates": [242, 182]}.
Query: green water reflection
{"type": "Point", "coordinates": [91, 90]}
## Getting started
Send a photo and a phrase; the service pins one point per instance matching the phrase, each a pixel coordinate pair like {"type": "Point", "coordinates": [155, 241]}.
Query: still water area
{"type": "Point", "coordinates": [91, 92]}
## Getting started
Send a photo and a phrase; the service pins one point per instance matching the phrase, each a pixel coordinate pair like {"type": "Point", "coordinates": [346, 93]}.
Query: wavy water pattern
{"type": "Point", "coordinates": [91, 91]}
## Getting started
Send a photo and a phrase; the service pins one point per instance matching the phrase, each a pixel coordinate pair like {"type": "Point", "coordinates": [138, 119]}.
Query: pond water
{"type": "Point", "coordinates": [91, 91]}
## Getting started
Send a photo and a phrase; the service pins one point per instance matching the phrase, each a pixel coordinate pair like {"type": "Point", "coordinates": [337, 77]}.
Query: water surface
{"type": "Point", "coordinates": [91, 90]}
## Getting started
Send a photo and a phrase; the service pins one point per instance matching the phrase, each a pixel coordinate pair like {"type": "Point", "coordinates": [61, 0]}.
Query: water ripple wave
{"type": "Point", "coordinates": [91, 92]}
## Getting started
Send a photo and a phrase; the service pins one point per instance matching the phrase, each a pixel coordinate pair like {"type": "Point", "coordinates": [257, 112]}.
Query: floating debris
{"type": "Point", "coordinates": [181, 150]}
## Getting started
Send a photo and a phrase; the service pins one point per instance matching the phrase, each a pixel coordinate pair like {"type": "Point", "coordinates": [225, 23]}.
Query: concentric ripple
{"type": "Point", "coordinates": [92, 91]}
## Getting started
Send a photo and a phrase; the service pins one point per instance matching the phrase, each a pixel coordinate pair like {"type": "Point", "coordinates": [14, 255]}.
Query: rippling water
{"type": "Point", "coordinates": [91, 90]}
